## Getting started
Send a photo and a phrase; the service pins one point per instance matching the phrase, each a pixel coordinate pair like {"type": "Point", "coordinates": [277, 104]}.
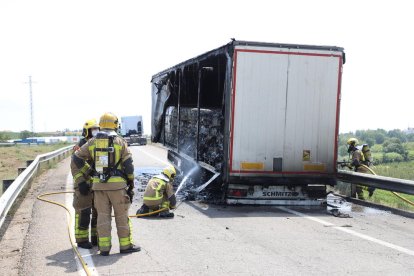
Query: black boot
{"type": "Point", "coordinates": [371, 191]}
{"type": "Point", "coordinates": [166, 214]}
{"type": "Point", "coordinates": [85, 244]}
{"type": "Point", "coordinates": [94, 240]}
{"type": "Point", "coordinates": [143, 210]}
{"type": "Point", "coordinates": [104, 253]}
{"type": "Point", "coordinates": [133, 248]}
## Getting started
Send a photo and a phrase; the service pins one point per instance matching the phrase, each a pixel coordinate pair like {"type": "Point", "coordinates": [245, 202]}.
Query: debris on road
{"type": "Point", "coordinates": [337, 206]}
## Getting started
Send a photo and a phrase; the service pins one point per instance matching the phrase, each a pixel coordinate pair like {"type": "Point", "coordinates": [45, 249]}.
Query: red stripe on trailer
{"type": "Point", "coordinates": [338, 107]}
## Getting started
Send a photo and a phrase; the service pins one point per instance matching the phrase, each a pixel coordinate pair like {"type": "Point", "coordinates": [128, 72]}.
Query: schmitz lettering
{"type": "Point", "coordinates": [280, 194]}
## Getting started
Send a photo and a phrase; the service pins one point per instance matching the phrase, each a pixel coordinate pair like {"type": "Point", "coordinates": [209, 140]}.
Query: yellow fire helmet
{"type": "Point", "coordinates": [89, 124]}
{"type": "Point", "coordinates": [108, 121]}
{"type": "Point", "coordinates": [352, 141]}
{"type": "Point", "coordinates": [169, 172]}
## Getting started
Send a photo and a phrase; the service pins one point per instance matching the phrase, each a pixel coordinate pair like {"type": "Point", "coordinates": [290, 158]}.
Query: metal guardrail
{"type": "Point", "coordinates": [380, 182]}
{"type": "Point", "coordinates": [10, 195]}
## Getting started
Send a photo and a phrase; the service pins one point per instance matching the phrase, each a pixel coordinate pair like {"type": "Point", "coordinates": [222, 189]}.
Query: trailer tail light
{"type": "Point", "coordinates": [237, 192]}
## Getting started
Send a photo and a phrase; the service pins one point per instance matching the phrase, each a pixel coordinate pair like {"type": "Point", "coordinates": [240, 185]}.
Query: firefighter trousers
{"type": "Point", "coordinates": [83, 205]}
{"type": "Point", "coordinates": [104, 202]}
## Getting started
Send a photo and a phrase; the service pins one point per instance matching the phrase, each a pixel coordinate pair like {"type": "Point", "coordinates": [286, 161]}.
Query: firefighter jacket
{"type": "Point", "coordinates": [358, 159]}
{"type": "Point", "coordinates": [85, 173]}
{"type": "Point", "coordinates": [119, 168]}
{"type": "Point", "coordinates": [159, 190]}
{"type": "Point", "coordinates": [81, 142]}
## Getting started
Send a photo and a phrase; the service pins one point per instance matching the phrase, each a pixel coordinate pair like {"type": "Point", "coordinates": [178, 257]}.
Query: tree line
{"type": "Point", "coordinates": [9, 135]}
{"type": "Point", "coordinates": [386, 146]}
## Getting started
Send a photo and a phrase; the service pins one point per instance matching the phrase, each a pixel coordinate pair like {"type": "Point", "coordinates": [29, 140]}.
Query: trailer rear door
{"type": "Point", "coordinates": [285, 108]}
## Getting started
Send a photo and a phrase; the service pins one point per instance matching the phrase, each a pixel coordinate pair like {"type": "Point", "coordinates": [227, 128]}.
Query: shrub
{"type": "Point", "coordinates": [410, 155]}
{"type": "Point", "coordinates": [343, 150]}
{"type": "Point", "coordinates": [377, 158]}
{"type": "Point", "coordinates": [409, 146]}
{"type": "Point", "coordinates": [4, 137]}
{"type": "Point", "coordinates": [377, 148]}
{"type": "Point", "coordinates": [392, 157]}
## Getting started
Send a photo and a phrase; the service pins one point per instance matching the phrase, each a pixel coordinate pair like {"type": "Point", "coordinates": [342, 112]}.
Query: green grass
{"type": "Point", "coordinates": [389, 199]}
{"type": "Point", "coordinates": [402, 170]}
{"type": "Point", "coordinates": [14, 157]}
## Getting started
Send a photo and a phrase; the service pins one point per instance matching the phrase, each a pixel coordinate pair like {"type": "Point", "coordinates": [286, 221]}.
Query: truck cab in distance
{"type": "Point", "coordinates": [132, 130]}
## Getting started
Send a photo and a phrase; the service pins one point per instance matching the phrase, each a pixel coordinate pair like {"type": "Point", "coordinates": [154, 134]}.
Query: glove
{"type": "Point", "coordinates": [83, 188]}
{"type": "Point", "coordinates": [130, 184]}
{"type": "Point", "coordinates": [130, 191]}
{"type": "Point", "coordinates": [131, 194]}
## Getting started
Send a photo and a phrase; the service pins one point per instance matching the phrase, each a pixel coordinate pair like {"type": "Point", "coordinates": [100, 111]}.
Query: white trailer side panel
{"type": "Point", "coordinates": [259, 114]}
{"type": "Point", "coordinates": [284, 111]}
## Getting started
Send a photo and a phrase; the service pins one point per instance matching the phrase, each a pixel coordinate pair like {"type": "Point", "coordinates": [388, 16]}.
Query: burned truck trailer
{"type": "Point", "coordinates": [261, 117]}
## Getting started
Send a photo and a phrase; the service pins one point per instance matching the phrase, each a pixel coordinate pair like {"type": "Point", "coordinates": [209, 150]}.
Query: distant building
{"type": "Point", "coordinates": [409, 130]}
{"type": "Point", "coordinates": [48, 140]}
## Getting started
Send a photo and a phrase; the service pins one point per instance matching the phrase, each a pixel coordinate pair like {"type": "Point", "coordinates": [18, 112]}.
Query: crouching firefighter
{"type": "Point", "coordinates": [159, 194]}
{"type": "Point", "coordinates": [83, 198]}
{"type": "Point", "coordinates": [112, 182]}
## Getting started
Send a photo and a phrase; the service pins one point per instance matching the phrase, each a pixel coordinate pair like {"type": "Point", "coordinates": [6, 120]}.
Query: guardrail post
{"type": "Point", "coordinates": [28, 162]}
{"type": "Point", "coordinates": [353, 190]}
{"type": "Point", "coordinates": [7, 183]}
{"type": "Point", "coordinates": [20, 170]}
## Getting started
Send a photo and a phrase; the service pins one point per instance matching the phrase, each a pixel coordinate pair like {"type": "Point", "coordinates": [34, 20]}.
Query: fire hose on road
{"type": "Point", "coordinates": [75, 249]}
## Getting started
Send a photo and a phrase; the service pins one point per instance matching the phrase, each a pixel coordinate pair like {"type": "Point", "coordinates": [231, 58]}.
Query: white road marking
{"type": "Point", "coordinates": [352, 232]}
{"type": "Point", "coordinates": [85, 253]}
{"type": "Point", "coordinates": [154, 157]}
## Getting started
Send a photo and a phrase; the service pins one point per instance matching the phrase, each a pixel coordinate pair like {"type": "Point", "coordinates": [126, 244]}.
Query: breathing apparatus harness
{"type": "Point", "coordinates": [102, 153]}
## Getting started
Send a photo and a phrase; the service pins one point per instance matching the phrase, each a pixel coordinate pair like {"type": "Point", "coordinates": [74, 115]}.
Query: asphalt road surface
{"type": "Point", "coordinates": [206, 239]}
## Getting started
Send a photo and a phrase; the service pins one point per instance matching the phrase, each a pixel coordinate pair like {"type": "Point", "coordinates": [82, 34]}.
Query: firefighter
{"type": "Point", "coordinates": [112, 182]}
{"type": "Point", "coordinates": [90, 129]}
{"type": "Point", "coordinates": [159, 194]}
{"type": "Point", "coordinates": [83, 203]}
{"type": "Point", "coordinates": [357, 160]}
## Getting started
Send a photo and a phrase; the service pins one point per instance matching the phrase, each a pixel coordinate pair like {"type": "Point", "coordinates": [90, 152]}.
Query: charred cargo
{"type": "Point", "coordinates": [258, 114]}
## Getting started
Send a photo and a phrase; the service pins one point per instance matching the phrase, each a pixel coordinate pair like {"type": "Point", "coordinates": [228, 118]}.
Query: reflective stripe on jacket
{"type": "Point", "coordinates": [157, 191]}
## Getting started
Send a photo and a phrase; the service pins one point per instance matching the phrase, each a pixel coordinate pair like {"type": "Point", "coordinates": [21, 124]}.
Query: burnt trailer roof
{"type": "Point", "coordinates": [230, 46]}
